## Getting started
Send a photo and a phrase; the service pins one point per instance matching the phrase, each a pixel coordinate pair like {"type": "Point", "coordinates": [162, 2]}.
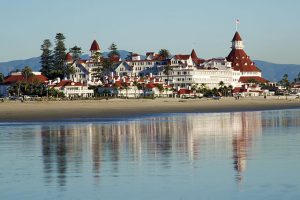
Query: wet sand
{"type": "Point", "coordinates": [118, 108]}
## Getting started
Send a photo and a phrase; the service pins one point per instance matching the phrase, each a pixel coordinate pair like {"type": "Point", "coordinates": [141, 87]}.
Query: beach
{"type": "Point", "coordinates": [117, 108]}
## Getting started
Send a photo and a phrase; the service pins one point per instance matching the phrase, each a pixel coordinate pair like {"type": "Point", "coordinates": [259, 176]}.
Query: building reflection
{"type": "Point", "coordinates": [71, 148]}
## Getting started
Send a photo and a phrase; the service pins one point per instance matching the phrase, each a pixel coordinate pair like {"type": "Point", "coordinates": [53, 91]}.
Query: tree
{"type": "Point", "coordinates": [106, 64]}
{"type": "Point", "coordinates": [160, 87]}
{"type": "Point", "coordinates": [164, 54]}
{"type": "Point", "coordinates": [285, 83]}
{"type": "Point", "coordinates": [59, 56]}
{"type": "Point", "coordinates": [167, 71]}
{"type": "Point", "coordinates": [27, 72]}
{"type": "Point", "coordinates": [222, 88]}
{"type": "Point", "coordinates": [46, 58]}
{"type": "Point", "coordinates": [76, 52]}
{"type": "Point", "coordinates": [113, 51]}
{"type": "Point", "coordinates": [1, 77]}
{"type": "Point", "coordinates": [125, 86]}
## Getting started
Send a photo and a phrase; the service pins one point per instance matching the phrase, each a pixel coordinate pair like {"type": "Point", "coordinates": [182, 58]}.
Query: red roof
{"type": "Point", "coordinates": [194, 55]}
{"type": "Point", "coordinates": [236, 37]}
{"type": "Point", "coordinates": [195, 58]}
{"type": "Point", "coordinates": [245, 79]}
{"type": "Point", "coordinates": [241, 61]}
{"type": "Point", "coordinates": [95, 46]}
{"type": "Point", "coordinates": [185, 91]}
{"type": "Point", "coordinates": [20, 78]}
{"type": "Point", "coordinates": [69, 57]}
{"type": "Point", "coordinates": [64, 83]}
{"type": "Point", "coordinates": [182, 57]}
{"type": "Point", "coordinates": [115, 58]}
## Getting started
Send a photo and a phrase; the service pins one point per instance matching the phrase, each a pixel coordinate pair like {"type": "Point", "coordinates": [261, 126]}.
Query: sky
{"type": "Point", "coordinates": [269, 28]}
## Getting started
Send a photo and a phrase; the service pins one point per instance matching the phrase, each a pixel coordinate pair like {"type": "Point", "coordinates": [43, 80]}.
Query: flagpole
{"type": "Point", "coordinates": [237, 21]}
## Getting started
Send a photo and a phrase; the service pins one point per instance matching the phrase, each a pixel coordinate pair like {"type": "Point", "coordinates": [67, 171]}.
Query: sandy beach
{"type": "Point", "coordinates": [117, 108]}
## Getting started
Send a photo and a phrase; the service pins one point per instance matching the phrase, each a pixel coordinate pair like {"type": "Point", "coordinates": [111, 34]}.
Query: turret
{"type": "Point", "coordinates": [94, 48]}
{"type": "Point", "coordinates": [237, 42]}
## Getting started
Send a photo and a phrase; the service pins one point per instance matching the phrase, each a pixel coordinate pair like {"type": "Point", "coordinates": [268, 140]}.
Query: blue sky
{"type": "Point", "coordinates": [270, 29]}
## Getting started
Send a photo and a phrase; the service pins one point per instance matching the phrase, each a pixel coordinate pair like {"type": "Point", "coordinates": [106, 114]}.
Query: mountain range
{"type": "Point", "coordinates": [271, 71]}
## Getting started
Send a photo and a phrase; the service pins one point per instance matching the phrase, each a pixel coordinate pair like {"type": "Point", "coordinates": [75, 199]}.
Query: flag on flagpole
{"type": "Point", "coordinates": [237, 22]}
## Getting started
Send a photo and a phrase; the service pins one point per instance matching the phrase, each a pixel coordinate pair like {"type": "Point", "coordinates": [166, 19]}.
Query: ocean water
{"type": "Point", "coordinates": [245, 155]}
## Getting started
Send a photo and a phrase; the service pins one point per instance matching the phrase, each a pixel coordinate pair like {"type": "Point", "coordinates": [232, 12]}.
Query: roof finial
{"type": "Point", "coordinates": [237, 22]}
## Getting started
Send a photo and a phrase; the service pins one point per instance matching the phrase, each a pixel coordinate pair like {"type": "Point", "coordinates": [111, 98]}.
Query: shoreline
{"type": "Point", "coordinates": [126, 108]}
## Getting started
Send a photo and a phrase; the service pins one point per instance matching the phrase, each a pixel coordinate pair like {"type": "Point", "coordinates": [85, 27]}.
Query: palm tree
{"type": "Point", "coordinates": [135, 84]}
{"type": "Point", "coordinates": [164, 53]}
{"type": "Point", "coordinates": [27, 72]}
{"type": "Point", "coordinates": [160, 87]}
{"type": "Point", "coordinates": [125, 86]}
{"type": "Point", "coordinates": [167, 71]}
{"type": "Point", "coordinates": [221, 87]}
{"type": "Point", "coordinates": [286, 83]}
{"type": "Point", "coordinates": [230, 88]}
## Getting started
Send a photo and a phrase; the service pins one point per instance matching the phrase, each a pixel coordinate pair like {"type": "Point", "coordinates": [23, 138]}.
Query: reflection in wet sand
{"type": "Point", "coordinates": [66, 148]}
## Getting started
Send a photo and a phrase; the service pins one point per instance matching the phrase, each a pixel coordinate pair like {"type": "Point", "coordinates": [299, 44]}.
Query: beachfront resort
{"type": "Point", "coordinates": [153, 74]}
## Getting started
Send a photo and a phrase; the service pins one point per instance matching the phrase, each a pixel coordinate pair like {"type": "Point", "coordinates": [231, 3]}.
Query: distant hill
{"type": "Point", "coordinates": [271, 71]}
{"type": "Point", "coordinates": [6, 67]}
{"type": "Point", "coordinates": [274, 72]}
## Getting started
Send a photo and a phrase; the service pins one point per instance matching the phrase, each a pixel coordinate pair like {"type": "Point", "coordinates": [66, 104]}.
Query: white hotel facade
{"type": "Point", "coordinates": [187, 70]}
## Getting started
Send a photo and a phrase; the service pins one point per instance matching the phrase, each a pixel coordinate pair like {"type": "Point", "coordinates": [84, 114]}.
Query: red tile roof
{"type": "Point", "coordinates": [245, 79]}
{"type": "Point", "coordinates": [69, 57]}
{"type": "Point", "coordinates": [95, 46]}
{"type": "Point", "coordinates": [236, 37]}
{"type": "Point", "coordinates": [65, 83]}
{"type": "Point", "coordinates": [241, 61]}
{"type": "Point", "coordinates": [182, 57]}
{"type": "Point", "coordinates": [195, 58]}
{"type": "Point", "coordinates": [20, 78]}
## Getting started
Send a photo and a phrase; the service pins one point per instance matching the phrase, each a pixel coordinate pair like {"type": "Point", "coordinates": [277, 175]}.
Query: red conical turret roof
{"type": "Point", "coordinates": [239, 59]}
{"type": "Point", "coordinates": [236, 37]}
{"type": "Point", "coordinates": [194, 55]}
{"type": "Point", "coordinates": [95, 46]}
{"type": "Point", "coordinates": [69, 57]}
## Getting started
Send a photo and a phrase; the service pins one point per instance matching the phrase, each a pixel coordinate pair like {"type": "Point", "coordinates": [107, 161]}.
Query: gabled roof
{"type": "Point", "coordinates": [195, 58]}
{"type": "Point", "coordinates": [95, 46]}
{"type": "Point", "coordinates": [122, 64]}
{"type": "Point", "coordinates": [194, 55]}
{"type": "Point", "coordinates": [182, 57]}
{"type": "Point", "coordinates": [236, 37]}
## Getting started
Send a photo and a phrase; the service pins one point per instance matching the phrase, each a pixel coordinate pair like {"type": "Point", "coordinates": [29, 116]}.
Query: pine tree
{"type": "Point", "coordinates": [59, 56]}
{"type": "Point", "coordinates": [113, 50]}
{"type": "Point", "coordinates": [46, 58]}
{"type": "Point", "coordinates": [76, 52]}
